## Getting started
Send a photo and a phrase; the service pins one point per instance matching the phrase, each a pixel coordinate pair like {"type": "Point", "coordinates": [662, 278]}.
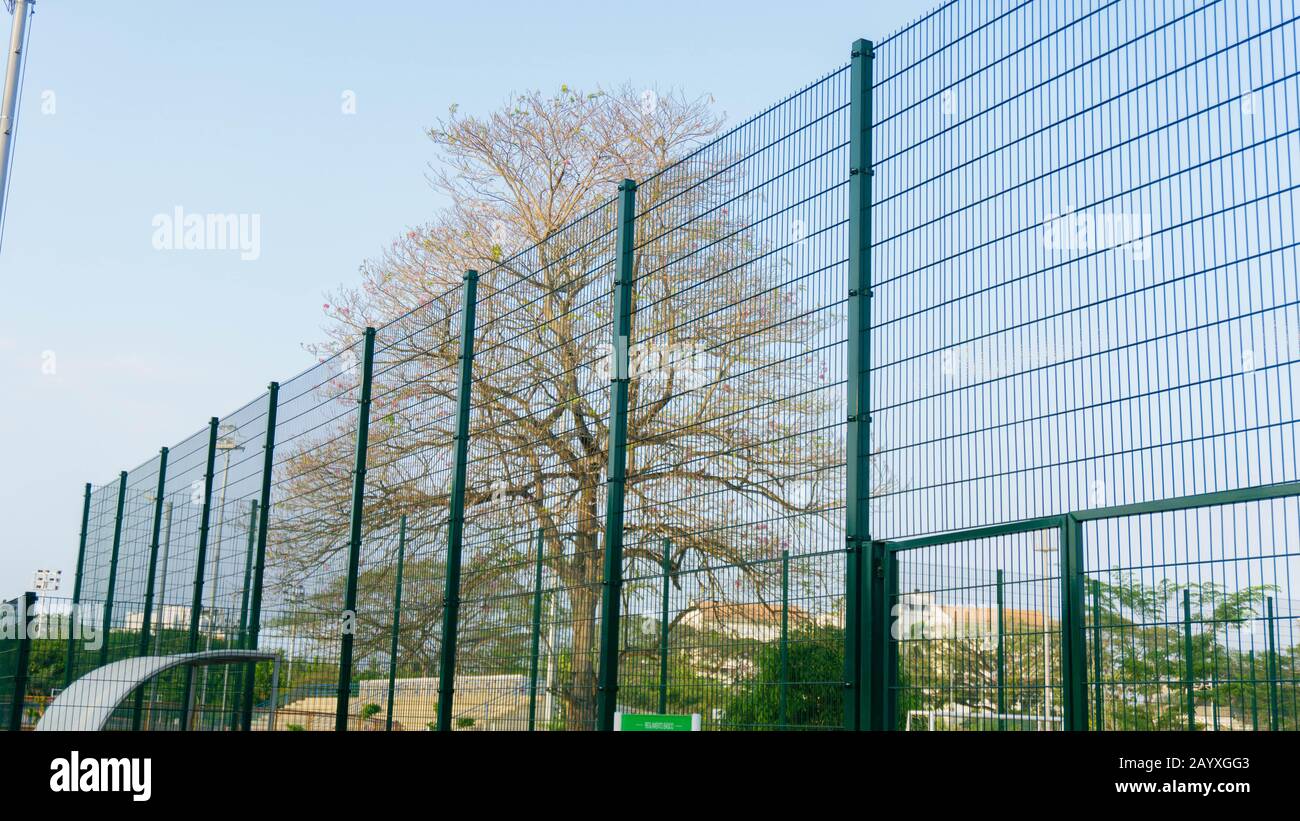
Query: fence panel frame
{"type": "Point", "coordinates": [347, 620]}
{"type": "Point", "coordinates": [196, 604]}
{"type": "Point", "coordinates": [456, 504]}
{"type": "Point", "coordinates": [616, 474]}
{"type": "Point", "coordinates": [22, 661]}
{"type": "Point", "coordinates": [863, 703]}
{"type": "Point", "coordinates": [881, 621]}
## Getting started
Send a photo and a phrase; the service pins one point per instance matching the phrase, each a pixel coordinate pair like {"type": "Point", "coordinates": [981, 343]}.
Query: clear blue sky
{"type": "Point", "coordinates": [235, 107]}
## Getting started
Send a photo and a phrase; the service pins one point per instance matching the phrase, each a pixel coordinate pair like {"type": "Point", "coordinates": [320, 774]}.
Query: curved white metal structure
{"type": "Point", "coordinates": [89, 702]}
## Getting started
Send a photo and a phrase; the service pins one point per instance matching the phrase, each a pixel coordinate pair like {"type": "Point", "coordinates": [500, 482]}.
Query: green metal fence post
{"type": "Point", "coordinates": [1074, 641]}
{"type": "Point", "coordinates": [1002, 698]}
{"type": "Point", "coordinates": [890, 560]}
{"type": "Point", "coordinates": [347, 620]}
{"type": "Point", "coordinates": [612, 599]}
{"type": "Point", "coordinates": [1274, 719]}
{"type": "Point", "coordinates": [23, 661]}
{"type": "Point", "coordinates": [154, 540]}
{"type": "Point", "coordinates": [537, 633]}
{"type": "Point", "coordinates": [783, 705]}
{"type": "Point", "coordinates": [397, 622]}
{"type": "Point", "coordinates": [456, 506]}
{"type": "Point", "coordinates": [69, 663]}
{"type": "Point", "coordinates": [860, 610]}
{"type": "Point", "coordinates": [259, 561]}
{"type": "Point", "coordinates": [1187, 659]}
{"type": "Point", "coordinates": [878, 585]}
{"type": "Point", "coordinates": [112, 571]}
{"type": "Point", "coordinates": [667, 563]}
{"type": "Point", "coordinates": [200, 562]}
{"type": "Point", "coordinates": [1096, 655]}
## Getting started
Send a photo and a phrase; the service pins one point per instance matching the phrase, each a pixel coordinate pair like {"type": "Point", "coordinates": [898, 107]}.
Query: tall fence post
{"type": "Point", "coordinates": [667, 561]}
{"type": "Point", "coordinates": [154, 539]}
{"type": "Point", "coordinates": [112, 571]}
{"type": "Point", "coordinates": [75, 615]}
{"type": "Point", "coordinates": [397, 622]}
{"type": "Point", "coordinates": [200, 560]}
{"type": "Point", "coordinates": [536, 644]}
{"type": "Point", "coordinates": [456, 506]}
{"type": "Point", "coordinates": [23, 661]}
{"type": "Point", "coordinates": [1074, 640]}
{"type": "Point", "coordinates": [1099, 719]}
{"type": "Point", "coordinates": [859, 610]}
{"type": "Point", "coordinates": [1274, 719]}
{"type": "Point", "coordinates": [612, 598]}
{"type": "Point", "coordinates": [259, 560]}
{"type": "Point", "coordinates": [879, 663]}
{"type": "Point", "coordinates": [348, 618]}
{"type": "Point", "coordinates": [783, 698]}
{"type": "Point", "coordinates": [1002, 696]}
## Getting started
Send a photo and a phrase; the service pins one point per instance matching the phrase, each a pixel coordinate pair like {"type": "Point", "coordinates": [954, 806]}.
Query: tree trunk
{"type": "Point", "coordinates": [581, 692]}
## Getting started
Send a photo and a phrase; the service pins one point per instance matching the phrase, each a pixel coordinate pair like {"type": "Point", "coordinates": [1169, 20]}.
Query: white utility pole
{"type": "Point", "coordinates": [9, 104]}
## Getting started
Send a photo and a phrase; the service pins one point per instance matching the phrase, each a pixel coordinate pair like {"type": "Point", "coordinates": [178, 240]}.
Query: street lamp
{"type": "Point", "coordinates": [227, 444]}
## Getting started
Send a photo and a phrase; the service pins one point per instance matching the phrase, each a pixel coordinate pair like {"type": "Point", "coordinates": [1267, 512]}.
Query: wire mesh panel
{"type": "Point", "coordinates": [223, 613]}
{"type": "Point", "coordinates": [307, 694]}
{"type": "Point", "coordinates": [408, 471]}
{"type": "Point", "coordinates": [1082, 254]}
{"type": "Point", "coordinates": [537, 459]}
{"type": "Point", "coordinates": [48, 631]}
{"type": "Point", "coordinates": [735, 432]}
{"type": "Point", "coordinates": [132, 570]}
{"type": "Point", "coordinates": [15, 660]}
{"type": "Point", "coordinates": [976, 629]}
{"type": "Point", "coordinates": [1093, 202]}
{"type": "Point", "coordinates": [1191, 622]}
{"type": "Point", "coordinates": [99, 539]}
{"type": "Point", "coordinates": [95, 572]}
{"type": "Point", "coordinates": [419, 628]}
{"type": "Point", "coordinates": [308, 529]}
{"type": "Point", "coordinates": [179, 541]}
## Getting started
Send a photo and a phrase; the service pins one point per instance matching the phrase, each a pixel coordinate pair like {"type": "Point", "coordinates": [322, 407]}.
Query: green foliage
{"type": "Point", "coordinates": [814, 691]}
{"type": "Point", "coordinates": [1145, 662]}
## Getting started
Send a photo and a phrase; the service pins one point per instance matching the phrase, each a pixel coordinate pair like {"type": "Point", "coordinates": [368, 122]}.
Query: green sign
{"type": "Point", "coordinates": [650, 723]}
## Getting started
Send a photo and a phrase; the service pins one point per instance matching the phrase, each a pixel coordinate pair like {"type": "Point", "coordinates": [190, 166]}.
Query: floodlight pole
{"type": "Point", "coordinates": [9, 103]}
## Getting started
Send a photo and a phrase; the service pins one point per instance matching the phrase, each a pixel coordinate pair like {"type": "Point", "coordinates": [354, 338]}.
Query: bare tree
{"type": "Point", "coordinates": [733, 444]}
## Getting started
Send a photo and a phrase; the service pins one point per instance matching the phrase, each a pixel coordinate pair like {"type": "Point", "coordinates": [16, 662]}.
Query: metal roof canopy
{"type": "Point", "coordinates": [88, 703]}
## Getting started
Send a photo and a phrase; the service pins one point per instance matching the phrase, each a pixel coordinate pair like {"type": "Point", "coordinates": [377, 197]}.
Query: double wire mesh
{"type": "Point", "coordinates": [1083, 232]}
{"type": "Point", "coordinates": [733, 565]}
{"type": "Point", "coordinates": [1096, 201]}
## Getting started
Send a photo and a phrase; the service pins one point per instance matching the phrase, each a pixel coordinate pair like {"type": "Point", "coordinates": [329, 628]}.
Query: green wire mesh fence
{"type": "Point", "coordinates": [953, 391]}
